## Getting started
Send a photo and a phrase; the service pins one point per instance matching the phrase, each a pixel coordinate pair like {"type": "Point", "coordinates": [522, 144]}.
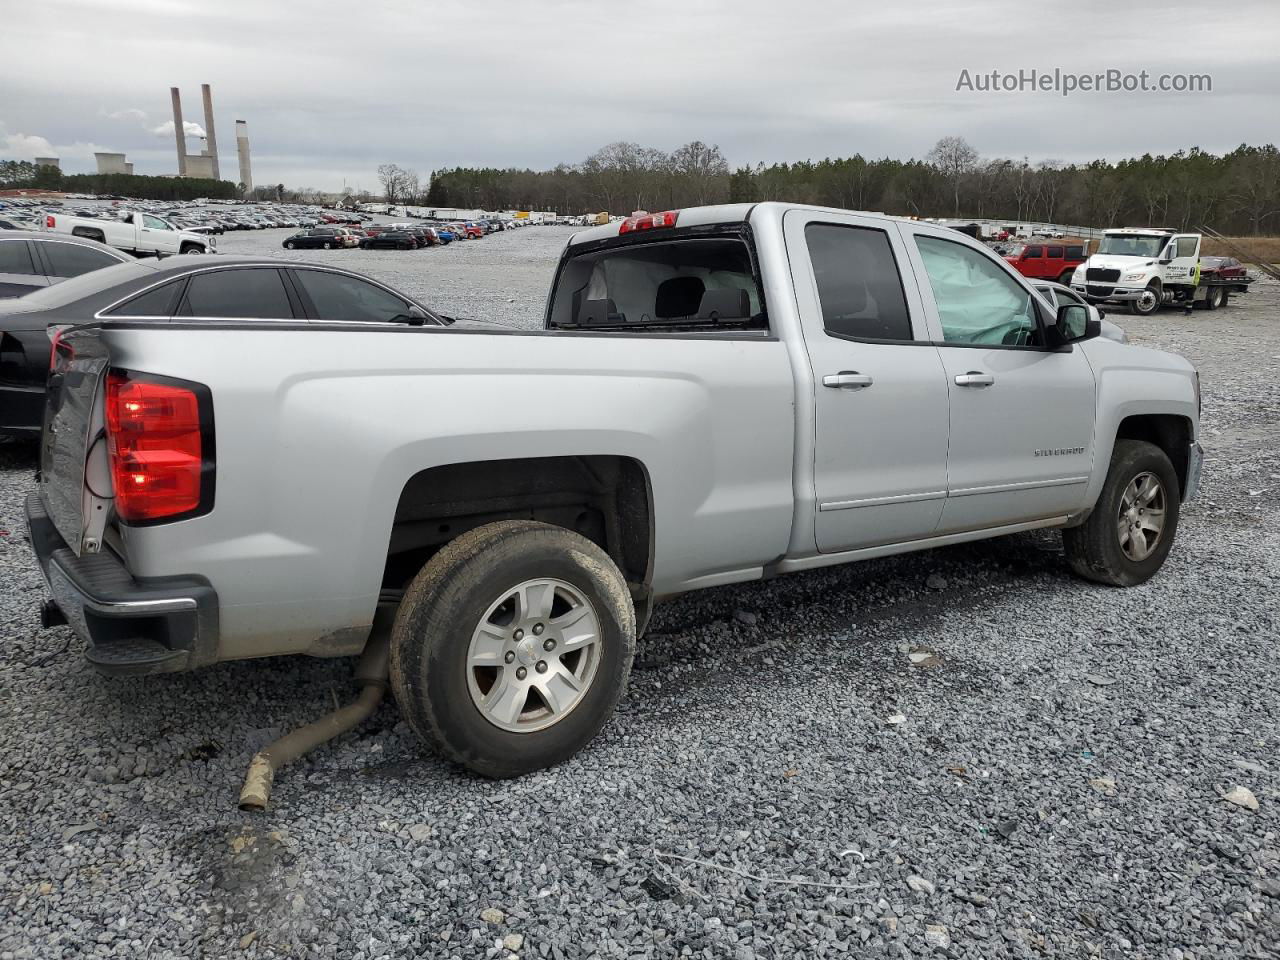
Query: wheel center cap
{"type": "Point", "coordinates": [527, 651]}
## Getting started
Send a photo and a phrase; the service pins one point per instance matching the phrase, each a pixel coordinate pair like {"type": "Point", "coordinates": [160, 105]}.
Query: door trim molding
{"type": "Point", "coordinates": [828, 505]}
{"type": "Point", "coordinates": [1023, 485]}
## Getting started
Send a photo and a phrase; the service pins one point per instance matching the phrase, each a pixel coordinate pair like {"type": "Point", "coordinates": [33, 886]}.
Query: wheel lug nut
{"type": "Point", "coordinates": [518, 636]}
{"type": "Point", "coordinates": [548, 644]}
{"type": "Point", "coordinates": [521, 673]}
{"type": "Point", "coordinates": [542, 666]}
{"type": "Point", "coordinates": [538, 628]}
{"type": "Point", "coordinates": [510, 657]}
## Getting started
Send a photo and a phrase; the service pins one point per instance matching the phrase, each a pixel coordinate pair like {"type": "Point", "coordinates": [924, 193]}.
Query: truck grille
{"type": "Point", "coordinates": [1099, 291]}
{"type": "Point", "coordinates": [1105, 276]}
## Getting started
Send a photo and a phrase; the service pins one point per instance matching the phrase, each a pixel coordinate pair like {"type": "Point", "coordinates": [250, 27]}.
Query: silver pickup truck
{"type": "Point", "coordinates": [719, 394]}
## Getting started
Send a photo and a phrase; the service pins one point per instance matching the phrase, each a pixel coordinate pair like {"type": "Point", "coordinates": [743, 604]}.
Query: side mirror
{"type": "Point", "coordinates": [1073, 323]}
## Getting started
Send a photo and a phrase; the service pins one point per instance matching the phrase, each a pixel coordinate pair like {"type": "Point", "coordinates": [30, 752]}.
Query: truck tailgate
{"type": "Point", "coordinates": [72, 422]}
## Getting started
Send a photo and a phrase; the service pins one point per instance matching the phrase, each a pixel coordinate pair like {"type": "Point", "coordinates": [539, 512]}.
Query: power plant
{"type": "Point", "coordinates": [205, 163]}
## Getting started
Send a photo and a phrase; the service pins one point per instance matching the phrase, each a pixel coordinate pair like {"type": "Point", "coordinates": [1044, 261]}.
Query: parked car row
{"type": "Point", "coordinates": [387, 236]}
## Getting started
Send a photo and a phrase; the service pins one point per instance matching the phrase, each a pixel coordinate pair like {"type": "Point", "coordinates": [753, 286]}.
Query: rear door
{"type": "Point", "coordinates": [20, 272]}
{"type": "Point", "coordinates": [880, 459]}
{"type": "Point", "coordinates": [1054, 263]}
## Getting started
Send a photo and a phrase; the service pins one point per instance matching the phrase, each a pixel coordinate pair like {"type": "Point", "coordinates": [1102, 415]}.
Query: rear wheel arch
{"type": "Point", "coordinates": [606, 498]}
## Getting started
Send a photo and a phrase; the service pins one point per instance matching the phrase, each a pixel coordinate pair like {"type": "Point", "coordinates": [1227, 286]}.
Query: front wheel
{"type": "Point", "coordinates": [328, 246]}
{"type": "Point", "coordinates": [288, 244]}
{"type": "Point", "coordinates": [1214, 298]}
{"type": "Point", "coordinates": [1130, 532]}
{"type": "Point", "coordinates": [513, 646]}
{"type": "Point", "coordinates": [1148, 301]}
{"type": "Point", "coordinates": [192, 249]}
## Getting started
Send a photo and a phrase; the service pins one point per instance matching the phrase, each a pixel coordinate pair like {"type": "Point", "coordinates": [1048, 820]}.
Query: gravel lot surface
{"type": "Point", "coordinates": [1045, 777]}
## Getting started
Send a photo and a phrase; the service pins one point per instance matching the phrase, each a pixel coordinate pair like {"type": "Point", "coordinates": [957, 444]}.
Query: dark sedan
{"type": "Point", "coordinates": [30, 260]}
{"type": "Point", "coordinates": [172, 290]}
{"type": "Point", "coordinates": [390, 240]}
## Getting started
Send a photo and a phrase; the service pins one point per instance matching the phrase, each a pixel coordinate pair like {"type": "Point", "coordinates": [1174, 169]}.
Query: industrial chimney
{"type": "Point", "coordinates": [242, 148]}
{"type": "Point", "coordinates": [208, 127]}
{"type": "Point", "coordinates": [179, 132]}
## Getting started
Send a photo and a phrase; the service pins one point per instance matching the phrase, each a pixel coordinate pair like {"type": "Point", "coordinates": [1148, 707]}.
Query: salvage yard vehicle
{"type": "Point", "coordinates": [388, 240]}
{"type": "Point", "coordinates": [719, 394]}
{"type": "Point", "coordinates": [324, 238]}
{"type": "Point", "coordinates": [233, 289]}
{"type": "Point", "coordinates": [30, 260]}
{"type": "Point", "coordinates": [142, 234]}
{"type": "Point", "coordinates": [1047, 261]}
{"type": "Point", "coordinates": [1147, 267]}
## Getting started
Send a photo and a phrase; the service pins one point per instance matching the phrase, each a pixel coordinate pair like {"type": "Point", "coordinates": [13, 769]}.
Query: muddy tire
{"type": "Point", "coordinates": [512, 647]}
{"type": "Point", "coordinates": [1132, 527]}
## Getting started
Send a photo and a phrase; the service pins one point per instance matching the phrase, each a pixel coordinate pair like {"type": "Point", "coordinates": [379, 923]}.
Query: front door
{"type": "Point", "coordinates": [1184, 251]}
{"type": "Point", "coordinates": [880, 448]}
{"type": "Point", "coordinates": [1021, 415]}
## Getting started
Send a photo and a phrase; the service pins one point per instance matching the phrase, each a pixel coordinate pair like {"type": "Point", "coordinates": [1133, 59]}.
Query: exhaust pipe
{"type": "Point", "coordinates": [371, 675]}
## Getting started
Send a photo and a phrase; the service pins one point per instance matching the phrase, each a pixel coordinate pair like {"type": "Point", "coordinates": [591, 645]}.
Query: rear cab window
{"type": "Point", "coordinates": [859, 283]}
{"type": "Point", "coordinates": [668, 285]}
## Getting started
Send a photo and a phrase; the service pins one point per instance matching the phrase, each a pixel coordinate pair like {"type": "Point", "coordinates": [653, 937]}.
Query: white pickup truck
{"type": "Point", "coordinates": [142, 234]}
{"type": "Point", "coordinates": [1144, 268]}
{"type": "Point", "coordinates": [720, 394]}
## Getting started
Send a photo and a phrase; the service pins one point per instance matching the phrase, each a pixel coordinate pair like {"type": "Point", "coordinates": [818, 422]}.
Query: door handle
{"type": "Point", "coordinates": [974, 378]}
{"type": "Point", "coordinates": [847, 380]}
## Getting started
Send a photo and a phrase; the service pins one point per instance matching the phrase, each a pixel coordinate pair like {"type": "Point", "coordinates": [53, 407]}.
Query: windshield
{"type": "Point", "coordinates": [681, 282]}
{"type": "Point", "coordinates": [1132, 245]}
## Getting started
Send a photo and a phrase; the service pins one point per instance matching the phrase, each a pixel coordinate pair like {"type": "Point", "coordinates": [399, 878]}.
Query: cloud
{"type": "Point", "coordinates": [191, 128]}
{"type": "Point", "coordinates": [28, 146]}
{"type": "Point", "coordinates": [25, 146]}
{"type": "Point", "coordinates": [129, 113]}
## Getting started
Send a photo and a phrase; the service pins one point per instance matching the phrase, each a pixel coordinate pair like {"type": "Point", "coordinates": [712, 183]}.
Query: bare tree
{"type": "Point", "coordinates": [392, 178]}
{"type": "Point", "coordinates": [954, 159]}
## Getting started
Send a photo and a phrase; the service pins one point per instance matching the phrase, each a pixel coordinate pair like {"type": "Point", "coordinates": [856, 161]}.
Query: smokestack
{"type": "Point", "coordinates": [179, 133]}
{"type": "Point", "coordinates": [208, 127]}
{"type": "Point", "coordinates": [242, 148]}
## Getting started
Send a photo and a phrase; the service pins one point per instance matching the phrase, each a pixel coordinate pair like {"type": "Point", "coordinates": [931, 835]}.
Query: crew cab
{"type": "Point", "coordinates": [142, 234]}
{"type": "Point", "coordinates": [719, 394]}
{"type": "Point", "coordinates": [1047, 261]}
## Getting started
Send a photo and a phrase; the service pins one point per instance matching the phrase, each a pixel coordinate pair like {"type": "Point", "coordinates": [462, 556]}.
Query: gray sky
{"type": "Point", "coordinates": [330, 89]}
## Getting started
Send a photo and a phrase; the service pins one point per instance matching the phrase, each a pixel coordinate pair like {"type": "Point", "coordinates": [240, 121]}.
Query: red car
{"type": "Point", "coordinates": [474, 231]}
{"type": "Point", "coordinates": [1047, 261]}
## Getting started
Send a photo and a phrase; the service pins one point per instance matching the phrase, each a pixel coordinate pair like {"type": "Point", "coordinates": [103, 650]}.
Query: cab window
{"type": "Point", "coordinates": [859, 284]}
{"type": "Point", "coordinates": [249, 294]}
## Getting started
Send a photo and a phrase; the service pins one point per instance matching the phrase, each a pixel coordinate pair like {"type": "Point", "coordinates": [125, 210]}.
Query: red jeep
{"type": "Point", "coordinates": [1047, 261]}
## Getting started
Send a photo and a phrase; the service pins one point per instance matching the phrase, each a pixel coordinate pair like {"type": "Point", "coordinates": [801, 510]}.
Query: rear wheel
{"type": "Point", "coordinates": [512, 647]}
{"type": "Point", "coordinates": [1065, 277]}
{"type": "Point", "coordinates": [1214, 298]}
{"type": "Point", "coordinates": [328, 245]}
{"type": "Point", "coordinates": [1131, 529]}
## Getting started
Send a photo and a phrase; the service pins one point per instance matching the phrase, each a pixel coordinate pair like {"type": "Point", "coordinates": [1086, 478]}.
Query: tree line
{"type": "Point", "coordinates": [22, 174]}
{"type": "Point", "coordinates": [1237, 193]}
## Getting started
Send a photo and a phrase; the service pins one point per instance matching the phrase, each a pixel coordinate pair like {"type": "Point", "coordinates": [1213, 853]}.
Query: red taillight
{"type": "Point", "coordinates": [160, 447]}
{"type": "Point", "coordinates": [648, 221]}
{"type": "Point", "coordinates": [49, 221]}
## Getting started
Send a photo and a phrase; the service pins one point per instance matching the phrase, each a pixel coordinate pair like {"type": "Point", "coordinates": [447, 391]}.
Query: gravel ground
{"type": "Point", "coordinates": [1045, 777]}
